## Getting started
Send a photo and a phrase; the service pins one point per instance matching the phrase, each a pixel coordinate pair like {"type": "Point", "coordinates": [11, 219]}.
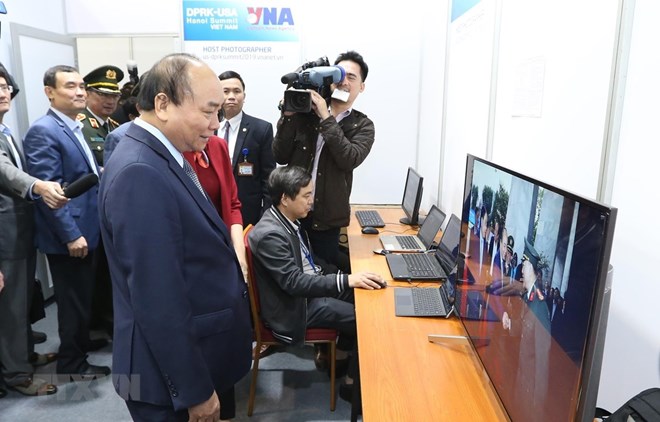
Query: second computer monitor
{"type": "Point", "coordinates": [412, 198]}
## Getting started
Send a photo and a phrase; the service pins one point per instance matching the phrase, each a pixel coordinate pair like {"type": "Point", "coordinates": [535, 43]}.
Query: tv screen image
{"type": "Point", "coordinates": [535, 259]}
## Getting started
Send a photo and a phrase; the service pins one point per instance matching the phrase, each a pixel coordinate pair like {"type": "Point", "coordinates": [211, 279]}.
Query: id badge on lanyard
{"type": "Point", "coordinates": [245, 168]}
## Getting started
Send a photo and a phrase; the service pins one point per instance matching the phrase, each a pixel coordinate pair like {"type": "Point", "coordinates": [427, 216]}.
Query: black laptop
{"type": "Point", "coordinates": [425, 301]}
{"type": "Point", "coordinates": [431, 301]}
{"type": "Point", "coordinates": [428, 266]}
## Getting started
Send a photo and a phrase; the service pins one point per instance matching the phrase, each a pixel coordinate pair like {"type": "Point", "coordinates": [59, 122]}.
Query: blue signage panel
{"type": "Point", "coordinates": [234, 21]}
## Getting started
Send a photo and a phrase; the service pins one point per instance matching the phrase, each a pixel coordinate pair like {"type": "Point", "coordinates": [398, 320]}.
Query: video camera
{"type": "Point", "coordinates": [317, 75]}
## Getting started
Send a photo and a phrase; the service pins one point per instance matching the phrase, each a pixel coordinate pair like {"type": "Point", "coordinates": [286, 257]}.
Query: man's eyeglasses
{"type": "Point", "coordinates": [7, 88]}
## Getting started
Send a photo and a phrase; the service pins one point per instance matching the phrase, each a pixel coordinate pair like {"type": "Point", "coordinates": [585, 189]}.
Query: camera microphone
{"type": "Point", "coordinates": [81, 185]}
{"type": "Point", "coordinates": [289, 78]}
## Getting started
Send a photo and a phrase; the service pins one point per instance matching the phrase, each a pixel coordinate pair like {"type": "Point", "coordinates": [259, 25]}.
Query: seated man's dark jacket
{"type": "Point", "coordinates": [283, 286]}
{"type": "Point", "coordinates": [347, 145]}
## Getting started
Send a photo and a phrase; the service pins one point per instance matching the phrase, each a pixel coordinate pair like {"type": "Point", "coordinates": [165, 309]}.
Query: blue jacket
{"type": "Point", "coordinates": [54, 153]}
{"type": "Point", "coordinates": [181, 309]}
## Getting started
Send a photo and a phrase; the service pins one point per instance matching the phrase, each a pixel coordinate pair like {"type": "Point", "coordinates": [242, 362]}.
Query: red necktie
{"type": "Point", "coordinates": [201, 160]}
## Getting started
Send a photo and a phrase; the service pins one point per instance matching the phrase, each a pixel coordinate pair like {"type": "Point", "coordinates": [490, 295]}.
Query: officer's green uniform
{"type": "Point", "coordinates": [104, 79]}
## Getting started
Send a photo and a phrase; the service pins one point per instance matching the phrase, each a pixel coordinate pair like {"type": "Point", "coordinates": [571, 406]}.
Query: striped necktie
{"type": "Point", "coordinates": [227, 127]}
{"type": "Point", "coordinates": [191, 173]}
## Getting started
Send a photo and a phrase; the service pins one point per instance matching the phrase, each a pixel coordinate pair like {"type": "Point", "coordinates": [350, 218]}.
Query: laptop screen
{"type": "Point", "coordinates": [431, 226]}
{"type": "Point", "coordinates": [447, 252]}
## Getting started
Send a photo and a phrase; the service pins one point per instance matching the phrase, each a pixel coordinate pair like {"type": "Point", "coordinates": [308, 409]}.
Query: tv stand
{"type": "Point", "coordinates": [458, 340]}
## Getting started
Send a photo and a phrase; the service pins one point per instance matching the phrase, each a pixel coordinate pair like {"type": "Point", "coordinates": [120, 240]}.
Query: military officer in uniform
{"type": "Point", "coordinates": [102, 98]}
{"type": "Point", "coordinates": [103, 95]}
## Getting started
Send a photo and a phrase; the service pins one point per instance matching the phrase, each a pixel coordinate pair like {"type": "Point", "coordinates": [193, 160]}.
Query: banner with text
{"type": "Point", "coordinates": [260, 43]}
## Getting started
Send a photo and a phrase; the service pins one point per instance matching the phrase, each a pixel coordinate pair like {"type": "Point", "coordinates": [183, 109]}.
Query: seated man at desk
{"type": "Point", "coordinates": [294, 292]}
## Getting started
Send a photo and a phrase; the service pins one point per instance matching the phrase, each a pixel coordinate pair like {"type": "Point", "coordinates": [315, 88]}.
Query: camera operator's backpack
{"type": "Point", "coordinates": [643, 407]}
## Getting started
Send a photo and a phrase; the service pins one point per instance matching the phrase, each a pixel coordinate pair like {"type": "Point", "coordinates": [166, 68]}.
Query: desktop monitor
{"type": "Point", "coordinates": [539, 256]}
{"type": "Point", "coordinates": [412, 198]}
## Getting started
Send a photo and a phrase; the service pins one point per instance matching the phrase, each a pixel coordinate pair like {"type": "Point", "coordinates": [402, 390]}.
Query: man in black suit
{"type": "Point", "coordinates": [250, 143]}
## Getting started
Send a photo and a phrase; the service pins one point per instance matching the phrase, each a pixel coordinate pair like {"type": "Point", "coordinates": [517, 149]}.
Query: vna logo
{"type": "Point", "coordinates": [270, 16]}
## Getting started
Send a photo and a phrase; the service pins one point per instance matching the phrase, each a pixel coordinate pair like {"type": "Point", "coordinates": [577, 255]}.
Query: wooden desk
{"type": "Point", "coordinates": [404, 376]}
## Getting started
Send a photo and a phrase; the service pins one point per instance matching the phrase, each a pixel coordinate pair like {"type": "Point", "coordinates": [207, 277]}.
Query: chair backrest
{"type": "Point", "coordinates": [253, 289]}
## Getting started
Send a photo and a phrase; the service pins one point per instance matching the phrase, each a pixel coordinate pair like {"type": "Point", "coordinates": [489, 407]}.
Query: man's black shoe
{"type": "Point", "coordinates": [346, 392]}
{"type": "Point", "coordinates": [38, 337]}
{"type": "Point", "coordinates": [91, 373]}
{"type": "Point", "coordinates": [97, 344]}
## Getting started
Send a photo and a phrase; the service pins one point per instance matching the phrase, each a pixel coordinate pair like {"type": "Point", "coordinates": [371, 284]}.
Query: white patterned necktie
{"type": "Point", "coordinates": [193, 176]}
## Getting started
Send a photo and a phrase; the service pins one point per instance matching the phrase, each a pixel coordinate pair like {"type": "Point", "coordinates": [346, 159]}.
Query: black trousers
{"type": "Point", "coordinates": [335, 312]}
{"type": "Point", "coordinates": [73, 280]}
{"type": "Point", "coordinates": [102, 315]}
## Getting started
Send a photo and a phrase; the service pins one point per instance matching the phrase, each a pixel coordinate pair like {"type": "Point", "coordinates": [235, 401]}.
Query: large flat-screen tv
{"type": "Point", "coordinates": [412, 198]}
{"type": "Point", "coordinates": [534, 259]}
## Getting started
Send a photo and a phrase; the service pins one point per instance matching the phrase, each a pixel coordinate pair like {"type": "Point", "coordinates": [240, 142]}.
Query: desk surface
{"type": "Point", "coordinates": [404, 376]}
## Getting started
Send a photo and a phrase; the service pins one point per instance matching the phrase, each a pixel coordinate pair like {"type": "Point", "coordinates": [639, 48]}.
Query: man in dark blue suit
{"type": "Point", "coordinates": [182, 327]}
{"type": "Point", "coordinates": [56, 150]}
{"type": "Point", "coordinates": [250, 142]}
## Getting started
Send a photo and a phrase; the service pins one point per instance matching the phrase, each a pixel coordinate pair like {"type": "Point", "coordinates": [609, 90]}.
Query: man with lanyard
{"type": "Point", "coordinates": [250, 143]}
{"type": "Point", "coordinates": [295, 294]}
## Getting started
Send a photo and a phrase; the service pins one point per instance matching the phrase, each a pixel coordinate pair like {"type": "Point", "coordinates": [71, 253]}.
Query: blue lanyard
{"type": "Point", "coordinates": [306, 251]}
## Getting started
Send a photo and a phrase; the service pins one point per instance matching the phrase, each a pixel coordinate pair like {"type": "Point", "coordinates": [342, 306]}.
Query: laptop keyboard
{"type": "Point", "coordinates": [407, 242]}
{"type": "Point", "coordinates": [427, 302]}
{"type": "Point", "coordinates": [369, 218]}
{"type": "Point", "coordinates": [419, 265]}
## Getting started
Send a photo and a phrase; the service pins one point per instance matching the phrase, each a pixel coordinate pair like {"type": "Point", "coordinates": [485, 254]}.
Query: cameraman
{"type": "Point", "coordinates": [329, 143]}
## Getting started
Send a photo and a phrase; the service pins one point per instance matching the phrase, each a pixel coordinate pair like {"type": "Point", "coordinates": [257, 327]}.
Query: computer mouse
{"type": "Point", "coordinates": [369, 230]}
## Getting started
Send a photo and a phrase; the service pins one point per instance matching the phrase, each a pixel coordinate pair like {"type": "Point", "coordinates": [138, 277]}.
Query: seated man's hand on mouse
{"type": "Point", "coordinates": [366, 280]}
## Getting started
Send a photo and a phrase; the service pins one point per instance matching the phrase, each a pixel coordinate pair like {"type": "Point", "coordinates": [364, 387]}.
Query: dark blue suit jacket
{"type": "Point", "coordinates": [181, 316]}
{"type": "Point", "coordinates": [54, 153]}
{"type": "Point", "coordinates": [257, 136]}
